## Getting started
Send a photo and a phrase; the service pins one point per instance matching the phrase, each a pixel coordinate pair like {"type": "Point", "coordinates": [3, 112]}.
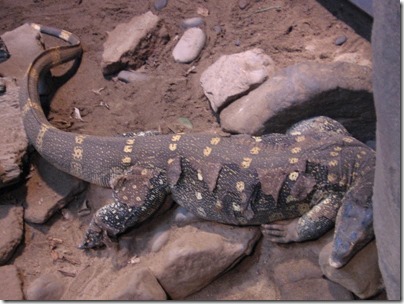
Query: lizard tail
{"type": "Point", "coordinates": [29, 97]}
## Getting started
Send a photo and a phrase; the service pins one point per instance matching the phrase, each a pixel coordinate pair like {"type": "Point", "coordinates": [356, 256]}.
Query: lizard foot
{"type": "Point", "coordinates": [282, 233]}
{"type": "Point", "coordinates": [93, 238]}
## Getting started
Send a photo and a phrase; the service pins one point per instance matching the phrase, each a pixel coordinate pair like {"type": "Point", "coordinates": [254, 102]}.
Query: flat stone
{"type": "Point", "coordinates": [197, 254]}
{"type": "Point", "coordinates": [44, 288]}
{"type": "Point", "coordinates": [11, 230]}
{"type": "Point", "coordinates": [124, 40]}
{"type": "Point", "coordinates": [361, 275]}
{"type": "Point", "coordinates": [233, 76]}
{"type": "Point", "coordinates": [339, 90]}
{"type": "Point", "coordinates": [192, 22]}
{"type": "Point", "coordinates": [13, 141]}
{"type": "Point", "coordinates": [24, 44]}
{"type": "Point", "coordinates": [189, 46]}
{"type": "Point", "coordinates": [132, 76]}
{"type": "Point", "coordinates": [297, 274]}
{"type": "Point", "coordinates": [137, 284]}
{"type": "Point", "coordinates": [48, 190]}
{"type": "Point", "coordinates": [11, 285]}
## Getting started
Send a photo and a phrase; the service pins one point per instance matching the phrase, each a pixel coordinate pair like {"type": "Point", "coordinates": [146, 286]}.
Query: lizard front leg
{"type": "Point", "coordinates": [137, 194]}
{"type": "Point", "coordinates": [309, 226]}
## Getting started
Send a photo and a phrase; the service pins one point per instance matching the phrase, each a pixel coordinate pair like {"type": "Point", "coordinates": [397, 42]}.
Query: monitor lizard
{"type": "Point", "coordinates": [316, 173]}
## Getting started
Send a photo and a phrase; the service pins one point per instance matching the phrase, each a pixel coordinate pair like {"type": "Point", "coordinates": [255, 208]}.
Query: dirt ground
{"type": "Point", "coordinates": [289, 31]}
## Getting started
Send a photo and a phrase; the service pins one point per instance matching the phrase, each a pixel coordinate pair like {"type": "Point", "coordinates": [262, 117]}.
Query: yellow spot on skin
{"type": "Point", "coordinates": [337, 148]}
{"type": "Point", "coordinates": [125, 197]}
{"type": "Point", "coordinates": [65, 35]}
{"type": "Point", "coordinates": [176, 137]}
{"type": "Point", "coordinates": [55, 54]}
{"type": "Point", "coordinates": [332, 153]}
{"type": "Point", "coordinates": [290, 198]}
{"type": "Point", "coordinates": [236, 207]}
{"type": "Point", "coordinates": [300, 138]}
{"type": "Point", "coordinates": [358, 156]}
{"type": "Point", "coordinates": [294, 133]}
{"type": "Point", "coordinates": [215, 140]}
{"type": "Point", "coordinates": [293, 176]}
{"type": "Point", "coordinates": [144, 172]}
{"type": "Point", "coordinates": [34, 74]}
{"type": "Point", "coordinates": [126, 160]}
{"type": "Point", "coordinates": [246, 162]}
{"type": "Point", "coordinates": [347, 139]}
{"type": "Point", "coordinates": [130, 141]}
{"type": "Point", "coordinates": [41, 134]}
{"type": "Point", "coordinates": [134, 187]}
{"type": "Point", "coordinates": [333, 163]}
{"type": "Point", "coordinates": [331, 178]}
{"type": "Point", "coordinates": [77, 153]}
{"type": "Point", "coordinates": [170, 161]}
{"type": "Point", "coordinates": [207, 151]}
{"type": "Point", "coordinates": [357, 165]}
{"type": "Point", "coordinates": [127, 149]}
{"type": "Point", "coordinates": [198, 195]}
{"type": "Point", "coordinates": [172, 147]}
{"type": "Point", "coordinates": [219, 204]}
{"type": "Point", "coordinates": [363, 152]}
{"type": "Point", "coordinates": [138, 199]}
{"type": "Point", "coordinates": [293, 160]}
{"type": "Point", "coordinates": [79, 139]}
{"type": "Point", "coordinates": [76, 169]}
{"type": "Point", "coordinates": [257, 138]}
{"type": "Point", "coordinates": [255, 150]}
{"type": "Point", "coordinates": [200, 177]}
{"type": "Point", "coordinates": [240, 186]}
{"type": "Point", "coordinates": [201, 211]}
{"type": "Point", "coordinates": [296, 150]}
{"type": "Point", "coordinates": [303, 208]}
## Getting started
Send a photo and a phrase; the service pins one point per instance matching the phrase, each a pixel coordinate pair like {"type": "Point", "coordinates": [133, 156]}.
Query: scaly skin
{"type": "Point", "coordinates": [316, 173]}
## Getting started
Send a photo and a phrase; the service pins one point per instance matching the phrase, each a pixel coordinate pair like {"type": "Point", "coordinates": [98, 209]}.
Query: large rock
{"type": "Point", "coordinates": [361, 275]}
{"type": "Point", "coordinates": [126, 40]}
{"type": "Point", "coordinates": [136, 284]}
{"type": "Point", "coordinates": [11, 230]}
{"type": "Point", "coordinates": [24, 44]}
{"type": "Point", "coordinates": [340, 90]}
{"type": "Point", "coordinates": [13, 140]}
{"type": "Point", "coordinates": [198, 254]}
{"type": "Point", "coordinates": [387, 200]}
{"type": "Point", "coordinates": [11, 285]}
{"type": "Point", "coordinates": [232, 76]}
{"type": "Point", "coordinates": [297, 273]}
{"type": "Point", "coordinates": [48, 190]}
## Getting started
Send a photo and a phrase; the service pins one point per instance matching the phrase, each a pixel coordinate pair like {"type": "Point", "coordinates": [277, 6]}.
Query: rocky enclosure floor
{"type": "Point", "coordinates": [47, 263]}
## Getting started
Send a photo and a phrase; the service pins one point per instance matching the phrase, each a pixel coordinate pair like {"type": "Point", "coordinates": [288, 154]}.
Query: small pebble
{"type": "Point", "coordinates": [340, 40]}
{"type": "Point", "coordinates": [237, 42]}
{"type": "Point", "coordinates": [189, 46]}
{"type": "Point", "coordinates": [160, 4]}
{"type": "Point", "coordinates": [242, 4]}
{"type": "Point", "coordinates": [131, 76]}
{"type": "Point", "coordinates": [192, 22]}
{"type": "Point", "coordinates": [217, 29]}
{"type": "Point", "coordinates": [2, 86]}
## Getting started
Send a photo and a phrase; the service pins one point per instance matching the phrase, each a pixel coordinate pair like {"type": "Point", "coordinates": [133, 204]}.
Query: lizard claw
{"type": "Point", "coordinates": [93, 238]}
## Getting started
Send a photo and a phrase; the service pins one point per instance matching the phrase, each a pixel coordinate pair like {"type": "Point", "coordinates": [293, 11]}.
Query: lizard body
{"type": "Point", "coordinates": [316, 173]}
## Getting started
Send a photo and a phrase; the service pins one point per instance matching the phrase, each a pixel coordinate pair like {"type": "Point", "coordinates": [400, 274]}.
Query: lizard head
{"type": "Point", "coordinates": [93, 237]}
{"type": "Point", "coordinates": [354, 229]}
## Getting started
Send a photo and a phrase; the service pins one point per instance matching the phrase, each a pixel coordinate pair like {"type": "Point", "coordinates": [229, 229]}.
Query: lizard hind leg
{"type": "Point", "coordinates": [311, 225]}
{"type": "Point", "coordinates": [137, 195]}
